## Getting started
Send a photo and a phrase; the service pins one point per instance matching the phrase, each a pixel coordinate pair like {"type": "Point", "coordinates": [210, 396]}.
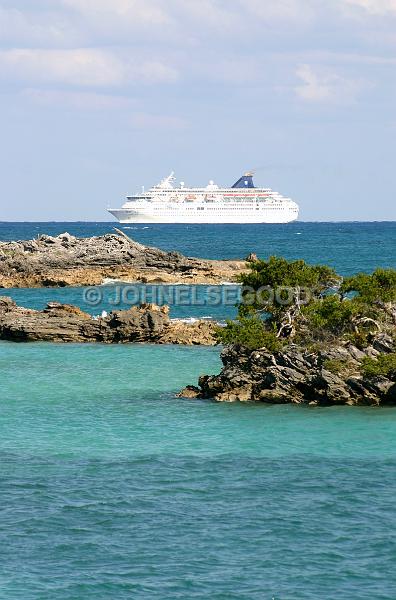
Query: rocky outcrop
{"type": "Point", "coordinates": [200, 332]}
{"type": "Point", "coordinates": [66, 260]}
{"type": "Point", "coordinates": [65, 323]}
{"type": "Point", "coordinates": [295, 375]}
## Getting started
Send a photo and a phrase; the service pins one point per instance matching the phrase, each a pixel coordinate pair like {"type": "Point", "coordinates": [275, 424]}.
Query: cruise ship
{"type": "Point", "coordinates": [241, 203]}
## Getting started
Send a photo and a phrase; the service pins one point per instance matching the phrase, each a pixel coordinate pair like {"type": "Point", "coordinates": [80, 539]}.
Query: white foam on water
{"type": "Point", "coordinates": [191, 320]}
{"type": "Point", "coordinates": [110, 281]}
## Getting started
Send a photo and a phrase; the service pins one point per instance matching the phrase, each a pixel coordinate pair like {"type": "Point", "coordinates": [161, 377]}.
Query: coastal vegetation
{"type": "Point", "coordinates": [384, 365]}
{"type": "Point", "coordinates": [249, 331]}
{"type": "Point", "coordinates": [285, 301]}
{"type": "Point", "coordinates": [306, 335]}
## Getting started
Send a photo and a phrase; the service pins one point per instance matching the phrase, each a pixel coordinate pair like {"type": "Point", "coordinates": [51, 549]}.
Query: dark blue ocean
{"type": "Point", "coordinates": [349, 247]}
{"type": "Point", "coordinates": [113, 488]}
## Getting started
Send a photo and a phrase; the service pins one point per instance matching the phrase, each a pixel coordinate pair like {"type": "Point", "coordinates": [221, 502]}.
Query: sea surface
{"type": "Point", "coordinates": [111, 487]}
{"type": "Point", "coordinates": [348, 247]}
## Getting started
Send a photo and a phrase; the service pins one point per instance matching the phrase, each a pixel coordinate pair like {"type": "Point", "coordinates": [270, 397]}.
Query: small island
{"type": "Point", "coordinates": [305, 335]}
{"type": "Point", "coordinates": [66, 260]}
{"type": "Point", "coordinates": [65, 323]}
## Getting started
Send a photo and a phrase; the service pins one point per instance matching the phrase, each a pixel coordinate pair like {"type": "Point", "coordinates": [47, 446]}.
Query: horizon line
{"type": "Point", "coordinates": [205, 224]}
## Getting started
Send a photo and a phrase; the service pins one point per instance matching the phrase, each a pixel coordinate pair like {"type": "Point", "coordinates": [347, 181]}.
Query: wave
{"type": "Point", "coordinates": [135, 228]}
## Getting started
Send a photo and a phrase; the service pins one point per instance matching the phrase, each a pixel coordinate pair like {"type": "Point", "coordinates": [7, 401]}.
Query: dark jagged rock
{"type": "Point", "coordinates": [66, 260]}
{"type": "Point", "coordinates": [66, 323]}
{"type": "Point", "coordinates": [298, 376]}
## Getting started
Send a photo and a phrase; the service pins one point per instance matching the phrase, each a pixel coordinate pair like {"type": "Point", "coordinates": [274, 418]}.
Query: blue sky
{"type": "Point", "coordinates": [99, 97]}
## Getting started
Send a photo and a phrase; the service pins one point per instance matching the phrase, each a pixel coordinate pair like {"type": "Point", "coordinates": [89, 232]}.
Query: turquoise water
{"type": "Point", "coordinates": [348, 247]}
{"type": "Point", "coordinates": [113, 488]}
{"type": "Point", "coordinates": [110, 487]}
{"type": "Point", "coordinates": [198, 301]}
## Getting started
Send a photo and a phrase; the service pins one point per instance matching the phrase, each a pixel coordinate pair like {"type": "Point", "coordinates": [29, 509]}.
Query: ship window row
{"type": "Point", "coordinates": [232, 207]}
{"type": "Point", "coordinates": [165, 210]}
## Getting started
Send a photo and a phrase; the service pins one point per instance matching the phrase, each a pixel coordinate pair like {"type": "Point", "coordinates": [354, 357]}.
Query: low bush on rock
{"type": "Point", "coordinates": [292, 301]}
{"type": "Point", "coordinates": [384, 365]}
{"type": "Point", "coordinates": [249, 332]}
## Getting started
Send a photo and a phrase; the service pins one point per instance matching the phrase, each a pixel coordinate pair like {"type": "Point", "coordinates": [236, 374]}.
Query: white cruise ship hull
{"type": "Point", "coordinates": [206, 215]}
{"type": "Point", "coordinates": [242, 203]}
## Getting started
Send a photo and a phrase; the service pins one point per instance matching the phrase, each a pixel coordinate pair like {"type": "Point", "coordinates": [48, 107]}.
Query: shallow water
{"type": "Point", "coordinates": [185, 302]}
{"type": "Point", "coordinates": [111, 487]}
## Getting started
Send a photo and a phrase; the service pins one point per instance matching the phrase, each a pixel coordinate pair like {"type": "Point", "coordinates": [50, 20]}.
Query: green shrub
{"type": "Point", "coordinates": [278, 273]}
{"type": "Point", "coordinates": [385, 365]}
{"type": "Point", "coordinates": [334, 365]}
{"type": "Point", "coordinates": [359, 339]}
{"type": "Point", "coordinates": [331, 314]}
{"type": "Point", "coordinates": [380, 286]}
{"type": "Point", "coordinates": [249, 332]}
{"type": "Point", "coordinates": [309, 303]}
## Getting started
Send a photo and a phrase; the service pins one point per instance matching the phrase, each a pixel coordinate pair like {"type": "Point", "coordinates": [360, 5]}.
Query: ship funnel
{"type": "Point", "coordinates": [245, 182]}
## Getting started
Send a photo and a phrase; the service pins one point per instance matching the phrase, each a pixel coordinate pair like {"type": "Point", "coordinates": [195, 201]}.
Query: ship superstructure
{"type": "Point", "coordinates": [241, 203]}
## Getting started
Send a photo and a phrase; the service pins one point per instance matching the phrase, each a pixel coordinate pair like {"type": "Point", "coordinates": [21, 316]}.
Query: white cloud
{"type": "Point", "coordinates": [209, 13]}
{"type": "Point", "coordinates": [77, 100]}
{"type": "Point", "coordinates": [83, 67]}
{"type": "Point", "coordinates": [375, 7]}
{"type": "Point", "coordinates": [131, 9]}
{"type": "Point", "coordinates": [71, 23]}
{"type": "Point", "coordinates": [35, 27]}
{"type": "Point", "coordinates": [325, 86]}
{"type": "Point", "coordinates": [240, 17]}
{"type": "Point", "coordinates": [350, 58]}
{"type": "Point", "coordinates": [91, 101]}
{"type": "Point", "coordinates": [131, 13]}
{"type": "Point", "coordinates": [296, 11]}
{"type": "Point", "coordinates": [181, 23]}
{"type": "Point", "coordinates": [76, 67]}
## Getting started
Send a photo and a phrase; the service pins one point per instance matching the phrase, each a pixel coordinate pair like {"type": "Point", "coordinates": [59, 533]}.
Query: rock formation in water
{"type": "Point", "coordinates": [335, 343]}
{"type": "Point", "coordinates": [67, 323]}
{"type": "Point", "coordinates": [295, 375]}
{"type": "Point", "coordinates": [66, 260]}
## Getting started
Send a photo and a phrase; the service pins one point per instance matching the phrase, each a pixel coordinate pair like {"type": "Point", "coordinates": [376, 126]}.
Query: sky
{"type": "Point", "coordinates": [100, 97]}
